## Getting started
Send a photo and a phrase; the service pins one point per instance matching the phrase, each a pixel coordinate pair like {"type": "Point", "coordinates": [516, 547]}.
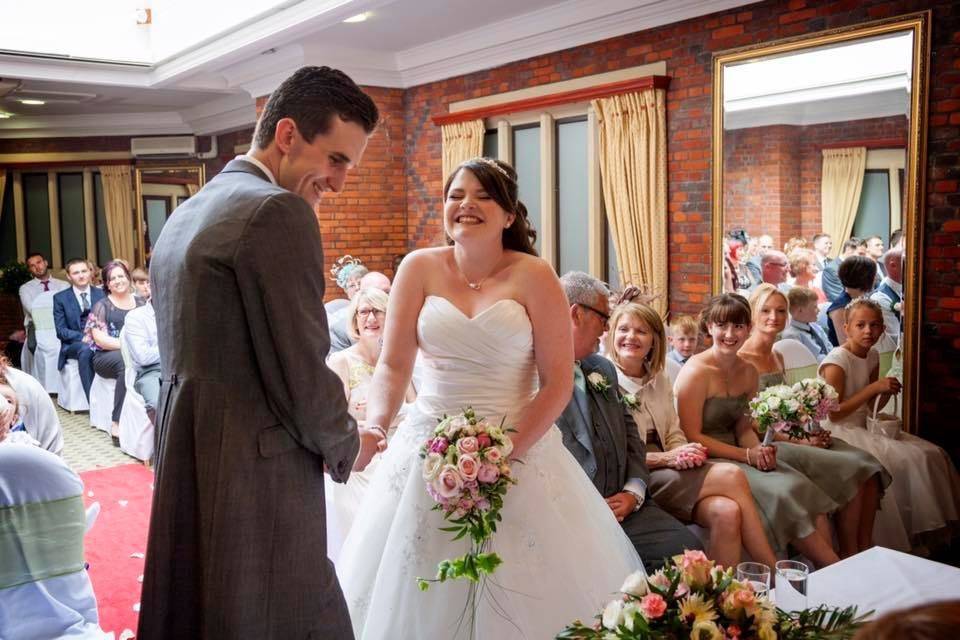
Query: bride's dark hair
{"type": "Point", "coordinates": [499, 180]}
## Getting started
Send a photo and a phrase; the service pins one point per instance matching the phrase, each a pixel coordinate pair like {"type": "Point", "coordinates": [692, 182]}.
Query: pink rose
{"type": "Point", "coordinates": [492, 454]}
{"type": "Point", "coordinates": [468, 467]}
{"type": "Point", "coordinates": [465, 504]}
{"type": "Point", "coordinates": [488, 473]}
{"type": "Point", "coordinates": [744, 598]}
{"type": "Point", "coordinates": [696, 568]}
{"type": "Point", "coordinates": [484, 441]}
{"type": "Point", "coordinates": [449, 483]}
{"type": "Point", "coordinates": [652, 606]}
{"type": "Point", "coordinates": [467, 445]}
{"type": "Point", "coordinates": [483, 504]}
{"type": "Point", "coordinates": [439, 445]}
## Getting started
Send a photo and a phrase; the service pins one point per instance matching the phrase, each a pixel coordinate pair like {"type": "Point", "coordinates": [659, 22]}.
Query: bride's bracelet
{"type": "Point", "coordinates": [747, 451]}
{"type": "Point", "coordinates": [377, 427]}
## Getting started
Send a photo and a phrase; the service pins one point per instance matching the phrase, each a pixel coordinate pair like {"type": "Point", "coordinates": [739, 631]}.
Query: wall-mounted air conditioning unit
{"type": "Point", "coordinates": [165, 147]}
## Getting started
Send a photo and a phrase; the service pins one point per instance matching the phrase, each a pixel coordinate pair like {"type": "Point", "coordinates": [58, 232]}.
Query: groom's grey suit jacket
{"type": "Point", "coordinates": [608, 445]}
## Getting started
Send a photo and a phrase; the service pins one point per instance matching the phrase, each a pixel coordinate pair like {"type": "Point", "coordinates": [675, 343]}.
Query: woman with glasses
{"type": "Point", "coordinates": [355, 366]}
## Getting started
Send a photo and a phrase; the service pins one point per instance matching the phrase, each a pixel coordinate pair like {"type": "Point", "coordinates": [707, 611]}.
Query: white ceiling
{"type": "Point", "coordinates": [211, 86]}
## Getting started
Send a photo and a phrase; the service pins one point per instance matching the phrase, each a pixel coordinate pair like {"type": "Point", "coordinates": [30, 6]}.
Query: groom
{"type": "Point", "coordinates": [601, 435]}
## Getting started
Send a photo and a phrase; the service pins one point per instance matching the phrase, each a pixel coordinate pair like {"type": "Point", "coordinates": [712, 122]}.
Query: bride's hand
{"type": "Point", "coordinates": [373, 440]}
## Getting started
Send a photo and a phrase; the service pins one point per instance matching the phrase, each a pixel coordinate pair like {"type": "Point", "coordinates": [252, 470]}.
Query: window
{"type": "Point", "coordinates": [881, 198]}
{"type": "Point", "coordinates": [73, 230]}
{"type": "Point", "coordinates": [8, 225]}
{"type": "Point", "coordinates": [526, 160]}
{"type": "Point", "coordinates": [156, 211]}
{"type": "Point", "coordinates": [490, 144]}
{"type": "Point", "coordinates": [36, 203]}
{"type": "Point", "coordinates": [573, 229]}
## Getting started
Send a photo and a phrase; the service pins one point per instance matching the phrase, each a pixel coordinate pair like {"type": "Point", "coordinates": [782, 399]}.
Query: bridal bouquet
{"type": "Point", "coordinates": [696, 599]}
{"type": "Point", "coordinates": [467, 473]}
{"type": "Point", "coordinates": [795, 411]}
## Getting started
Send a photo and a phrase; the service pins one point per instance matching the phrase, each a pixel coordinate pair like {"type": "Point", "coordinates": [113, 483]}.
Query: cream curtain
{"type": "Point", "coordinates": [633, 171]}
{"type": "Point", "coordinates": [117, 205]}
{"type": "Point", "coordinates": [461, 141]}
{"type": "Point", "coordinates": [840, 186]}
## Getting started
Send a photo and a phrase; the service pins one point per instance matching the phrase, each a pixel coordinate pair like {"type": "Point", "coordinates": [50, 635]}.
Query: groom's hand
{"type": "Point", "coordinates": [372, 442]}
{"type": "Point", "coordinates": [622, 504]}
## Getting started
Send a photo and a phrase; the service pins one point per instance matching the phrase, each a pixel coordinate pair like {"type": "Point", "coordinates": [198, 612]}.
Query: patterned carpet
{"type": "Point", "coordinates": [86, 447]}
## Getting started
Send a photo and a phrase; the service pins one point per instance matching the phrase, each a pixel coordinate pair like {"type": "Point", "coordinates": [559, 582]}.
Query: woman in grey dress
{"type": "Point", "coordinates": [852, 477]}
{"type": "Point", "coordinates": [713, 390]}
{"type": "Point", "coordinates": [715, 495]}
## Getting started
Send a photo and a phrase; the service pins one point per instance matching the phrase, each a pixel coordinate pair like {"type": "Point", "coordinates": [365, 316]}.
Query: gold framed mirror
{"type": "Point", "coordinates": [824, 134]}
{"type": "Point", "coordinates": [160, 190]}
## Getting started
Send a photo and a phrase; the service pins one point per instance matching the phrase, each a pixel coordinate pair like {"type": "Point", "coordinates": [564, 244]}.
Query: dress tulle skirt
{"type": "Point", "coordinates": [564, 554]}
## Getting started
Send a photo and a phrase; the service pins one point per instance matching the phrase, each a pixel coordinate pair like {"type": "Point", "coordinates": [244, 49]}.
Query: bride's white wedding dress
{"type": "Point", "coordinates": [564, 554]}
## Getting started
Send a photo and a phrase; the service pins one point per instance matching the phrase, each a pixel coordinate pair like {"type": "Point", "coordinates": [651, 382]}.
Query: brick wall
{"type": "Point", "coordinates": [687, 48]}
{"type": "Point", "coordinates": [772, 173]}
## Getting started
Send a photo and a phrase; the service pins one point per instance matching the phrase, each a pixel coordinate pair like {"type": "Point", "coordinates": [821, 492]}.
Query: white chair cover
{"type": "Point", "coordinates": [72, 397]}
{"type": "Point", "coordinates": [798, 362]}
{"type": "Point", "coordinates": [136, 430]}
{"type": "Point", "coordinates": [101, 402]}
{"type": "Point", "coordinates": [48, 345]}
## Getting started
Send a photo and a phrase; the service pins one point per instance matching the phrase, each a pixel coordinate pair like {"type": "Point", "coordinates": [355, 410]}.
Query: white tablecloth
{"type": "Point", "coordinates": [883, 580]}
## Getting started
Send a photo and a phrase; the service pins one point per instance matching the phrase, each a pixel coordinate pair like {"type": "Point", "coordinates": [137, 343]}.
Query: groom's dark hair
{"type": "Point", "coordinates": [311, 97]}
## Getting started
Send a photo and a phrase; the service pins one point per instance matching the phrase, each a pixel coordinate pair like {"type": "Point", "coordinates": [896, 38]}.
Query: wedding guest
{"type": "Point", "coordinates": [889, 295]}
{"type": "Point", "coordinates": [933, 621]}
{"type": "Point", "coordinates": [140, 337]}
{"type": "Point", "coordinates": [715, 495]}
{"type": "Point", "coordinates": [803, 325]}
{"type": "Point", "coordinates": [683, 340]}
{"type": "Point", "coordinates": [713, 392]}
{"type": "Point", "coordinates": [803, 272]}
{"type": "Point", "coordinates": [774, 267]}
{"type": "Point", "coordinates": [339, 333]}
{"type": "Point", "coordinates": [822, 246]}
{"type": "Point", "coordinates": [95, 273]}
{"type": "Point", "coordinates": [141, 283]}
{"type": "Point", "coordinates": [856, 274]}
{"type": "Point", "coordinates": [354, 366]}
{"type": "Point", "coordinates": [829, 278]}
{"type": "Point", "coordinates": [850, 476]}
{"type": "Point", "coordinates": [37, 412]}
{"type": "Point", "coordinates": [603, 437]}
{"type": "Point", "coordinates": [41, 282]}
{"type": "Point", "coordinates": [70, 310]}
{"type": "Point", "coordinates": [346, 272]}
{"type": "Point", "coordinates": [46, 590]}
{"type": "Point", "coordinates": [896, 239]}
{"type": "Point", "coordinates": [925, 482]}
{"type": "Point", "coordinates": [102, 333]}
{"type": "Point", "coordinates": [756, 249]}
{"type": "Point", "coordinates": [875, 251]}
{"type": "Point", "coordinates": [794, 243]}
{"type": "Point", "coordinates": [14, 347]}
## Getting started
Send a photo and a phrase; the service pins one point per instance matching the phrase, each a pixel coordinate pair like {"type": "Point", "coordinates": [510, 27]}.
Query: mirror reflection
{"type": "Point", "coordinates": [160, 190]}
{"type": "Point", "coordinates": [814, 172]}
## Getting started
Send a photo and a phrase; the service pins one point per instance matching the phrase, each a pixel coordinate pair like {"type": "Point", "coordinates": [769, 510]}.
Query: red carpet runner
{"type": "Point", "coordinates": [125, 494]}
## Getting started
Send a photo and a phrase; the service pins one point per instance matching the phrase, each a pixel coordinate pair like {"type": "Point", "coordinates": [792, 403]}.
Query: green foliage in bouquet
{"type": "Point", "coordinates": [696, 599]}
{"type": "Point", "coordinates": [12, 276]}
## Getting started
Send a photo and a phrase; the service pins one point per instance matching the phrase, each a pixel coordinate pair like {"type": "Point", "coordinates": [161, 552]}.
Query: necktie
{"type": "Point", "coordinates": [46, 285]}
{"type": "Point", "coordinates": [86, 303]}
{"type": "Point", "coordinates": [821, 341]}
{"type": "Point", "coordinates": [578, 380]}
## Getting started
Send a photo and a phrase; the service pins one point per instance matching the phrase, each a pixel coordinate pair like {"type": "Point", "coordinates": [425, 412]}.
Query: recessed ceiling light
{"type": "Point", "coordinates": [360, 17]}
{"type": "Point", "coordinates": [26, 101]}
{"type": "Point", "coordinates": [4, 115]}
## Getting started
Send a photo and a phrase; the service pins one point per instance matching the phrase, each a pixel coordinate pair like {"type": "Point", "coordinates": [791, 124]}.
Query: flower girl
{"type": "Point", "coordinates": [925, 482]}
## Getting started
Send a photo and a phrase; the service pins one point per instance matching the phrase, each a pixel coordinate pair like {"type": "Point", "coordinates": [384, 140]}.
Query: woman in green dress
{"type": "Point", "coordinates": [853, 478]}
{"type": "Point", "coordinates": [712, 391]}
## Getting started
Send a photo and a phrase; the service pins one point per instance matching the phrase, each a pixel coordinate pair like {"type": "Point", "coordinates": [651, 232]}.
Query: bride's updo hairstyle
{"type": "Point", "coordinates": [727, 307]}
{"type": "Point", "coordinates": [499, 180]}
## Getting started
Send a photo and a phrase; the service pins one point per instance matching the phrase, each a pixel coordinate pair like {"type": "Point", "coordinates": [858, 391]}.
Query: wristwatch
{"type": "Point", "coordinates": [637, 497]}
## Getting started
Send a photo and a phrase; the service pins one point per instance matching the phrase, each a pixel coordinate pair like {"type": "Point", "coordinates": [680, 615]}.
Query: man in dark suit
{"type": "Point", "coordinates": [249, 415]}
{"type": "Point", "coordinates": [830, 278]}
{"type": "Point", "coordinates": [70, 310]}
{"type": "Point", "coordinates": [600, 433]}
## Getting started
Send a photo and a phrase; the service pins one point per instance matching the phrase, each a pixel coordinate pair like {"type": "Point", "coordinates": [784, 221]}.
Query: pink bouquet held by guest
{"type": "Point", "coordinates": [795, 411]}
{"type": "Point", "coordinates": [467, 472]}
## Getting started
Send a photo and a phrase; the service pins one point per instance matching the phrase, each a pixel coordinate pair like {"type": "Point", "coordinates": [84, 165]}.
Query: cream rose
{"type": "Point", "coordinates": [613, 614]}
{"type": "Point", "coordinates": [636, 584]}
{"type": "Point", "coordinates": [449, 483]}
{"type": "Point", "coordinates": [431, 466]}
{"type": "Point", "coordinates": [468, 467]}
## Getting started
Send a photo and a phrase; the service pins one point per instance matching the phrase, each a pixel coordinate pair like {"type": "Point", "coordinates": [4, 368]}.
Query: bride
{"type": "Point", "coordinates": [490, 320]}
